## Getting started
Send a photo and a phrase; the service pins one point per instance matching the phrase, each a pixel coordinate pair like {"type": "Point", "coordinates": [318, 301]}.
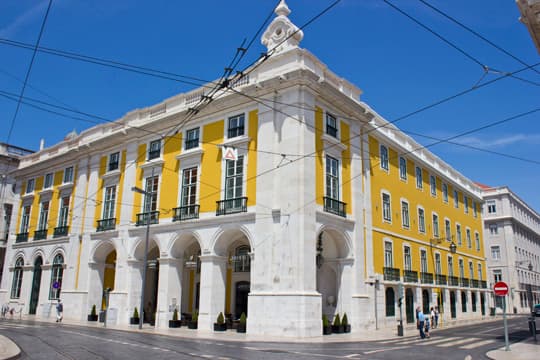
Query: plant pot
{"type": "Point", "coordinates": [220, 327]}
{"type": "Point", "coordinates": [175, 323]}
{"type": "Point", "coordinates": [133, 321]}
{"type": "Point", "coordinates": [241, 328]}
{"type": "Point", "coordinates": [337, 329]}
{"type": "Point", "coordinates": [346, 328]}
{"type": "Point", "coordinates": [93, 317]}
{"type": "Point", "coordinates": [327, 330]}
{"type": "Point", "coordinates": [192, 325]}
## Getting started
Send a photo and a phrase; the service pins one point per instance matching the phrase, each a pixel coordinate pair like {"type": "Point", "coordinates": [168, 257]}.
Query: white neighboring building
{"type": "Point", "coordinates": [512, 236]}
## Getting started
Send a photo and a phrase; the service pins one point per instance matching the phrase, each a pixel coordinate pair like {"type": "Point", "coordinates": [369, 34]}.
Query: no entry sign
{"type": "Point", "coordinates": [500, 288]}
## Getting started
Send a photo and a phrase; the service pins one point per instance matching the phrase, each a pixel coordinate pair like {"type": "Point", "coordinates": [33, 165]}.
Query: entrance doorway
{"type": "Point", "coordinates": [36, 282]}
{"type": "Point", "coordinates": [242, 292]}
{"type": "Point", "coordinates": [425, 302]}
{"type": "Point", "coordinates": [453, 304]}
{"type": "Point", "coordinates": [483, 304]}
{"type": "Point", "coordinates": [409, 305]}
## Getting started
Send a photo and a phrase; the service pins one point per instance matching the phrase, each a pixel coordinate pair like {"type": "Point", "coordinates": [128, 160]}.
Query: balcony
{"type": "Point", "coordinates": [410, 276]}
{"type": "Point", "coordinates": [391, 274]}
{"type": "Point", "coordinates": [440, 279]}
{"type": "Point", "coordinates": [60, 231]}
{"type": "Point", "coordinates": [464, 282]}
{"type": "Point", "coordinates": [335, 207]}
{"type": "Point", "coordinates": [426, 278]}
{"type": "Point", "coordinates": [231, 206]}
{"type": "Point", "coordinates": [483, 284]}
{"type": "Point", "coordinates": [475, 283]}
{"type": "Point", "coordinates": [40, 234]}
{"type": "Point", "coordinates": [106, 224]}
{"type": "Point", "coordinates": [186, 212]}
{"type": "Point", "coordinates": [21, 237]}
{"type": "Point", "coordinates": [141, 218]}
{"type": "Point", "coordinates": [453, 281]}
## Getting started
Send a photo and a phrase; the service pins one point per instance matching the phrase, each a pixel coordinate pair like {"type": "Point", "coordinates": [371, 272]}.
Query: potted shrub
{"type": "Point", "coordinates": [93, 314]}
{"type": "Point", "coordinates": [220, 324]}
{"type": "Point", "coordinates": [241, 328]}
{"type": "Point", "coordinates": [194, 319]}
{"type": "Point", "coordinates": [134, 320]}
{"type": "Point", "coordinates": [175, 323]}
{"type": "Point", "coordinates": [326, 327]}
{"type": "Point", "coordinates": [345, 324]}
{"type": "Point", "coordinates": [337, 328]}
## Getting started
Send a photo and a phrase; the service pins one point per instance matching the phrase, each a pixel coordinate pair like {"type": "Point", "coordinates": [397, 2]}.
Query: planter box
{"type": "Point", "coordinates": [175, 323]}
{"type": "Point", "coordinates": [346, 328]}
{"type": "Point", "coordinates": [220, 327]}
{"type": "Point", "coordinates": [337, 329]}
{"type": "Point", "coordinates": [327, 330]}
{"type": "Point", "coordinates": [93, 317]}
{"type": "Point", "coordinates": [133, 321]}
{"type": "Point", "coordinates": [192, 325]}
{"type": "Point", "coordinates": [241, 328]}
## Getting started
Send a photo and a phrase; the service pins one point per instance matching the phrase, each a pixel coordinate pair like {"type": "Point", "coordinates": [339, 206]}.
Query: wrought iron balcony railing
{"type": "Point", "coordinates": [335, 207]}
{"type": "Point", "coordinates": [186, 212]}
{"type": "Point", "coordinates": [440, 279]}
{"type": "Point", "coordinates": [475, 283]}
{"type": "Point", "coordinates": [483, 284]}
{"type": "Point", "coordinates": [40, 234]}
{"type": "Point", "coordinates": [464, 282]}
{"type": "Point", "coordinates": [141, 218]}
{"type": "Point", "coordinates": [231, 206]}
{"type": "Point", "coordinates": [60, 231]}
{"type": "Point", "coordinates": [391, 274]}
{"type": "Point", "coordinates": [410, 276]}
{"type": "Point", "coordinates": [426, 278]}
{"type": "Point", "coordinates": [453, 281]}
{"type": "Point", "coordinates": [21, 237]}
{"type": "Point", "coordinates": [106, 224]}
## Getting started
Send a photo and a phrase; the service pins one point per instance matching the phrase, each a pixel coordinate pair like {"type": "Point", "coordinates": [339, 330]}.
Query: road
{"type": "Point", "coordinates": [40, 340]}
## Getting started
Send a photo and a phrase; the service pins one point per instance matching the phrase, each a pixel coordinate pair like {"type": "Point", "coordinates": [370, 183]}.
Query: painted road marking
{"type": "Point", "coordinates": [457, 342]}
{"type": "Point", "coordinates": [477, 344]}
{"type": "Point", "coordinates": [439, 340]}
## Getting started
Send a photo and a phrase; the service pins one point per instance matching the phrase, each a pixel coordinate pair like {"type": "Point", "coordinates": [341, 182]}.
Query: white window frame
{"type": "Point", "coordinates": [329, 118]}
{"type": "Point", "coordinates": [385, 162]}
{"type": "Point", "coordinates": [43, 215]}
{"type": "Point", "coordinates": [468, 237]}
{"type": "Point", "coordinates": [68, 175]}
{"type": "Point", "coordinates": [477, 240]}
{"type": "Point", "coordinates": [402, 168]}
{"type": "Point", "coordinates": [240, 118]}
{"type": "Point", "coordinates": [189, 190]}
{"type": "Point", "coordinates": [109, 202]}
{"type": "Point", "coordinates": [150, 149]}
{"type": "Point", "coordinates": [25, 218]}
{"type": "Point", "coordinates": [456, 199]}
{"type": "Point", "coordinates": [491, 206]}
{"type": "Point", "coordinates": [386, 207]}
{"type": "Point", "coordinates": [459, 235]}
{"type": "Point", "coordinates": [189, 138]}
{"type": "Point", "coordinates": [30, 185]}
{"type": "Point", "coordinates": [110, 161]}
{"type": "Point", "coordinates": [421, 220]}
{"type": "Point", "coordinates": [407, 257]}
{"type": "Point", "coordinates": [332, 181]}
{"type": "Point", "coordinates": [433, 185]}
{"type": "Point", "coordinates": [445, 192]}
{"type": "Point", "coordinates": [47, 184]}
{"type": "Point", "coordinates": [466, 203]}
{"type": "Point", "coordinates": [438, 265]}
{"type": "Point", "coordinates": [419, 177]}
{"type": "Point", "coordinates": [450, 265]}
{"type": "Point", "coordinates": [423, 261]}
{"type": "Point", "coordinates": [447, 229]}
{"type": "Point", "coordinates": [63, 211]}
{"type": "Point", "coordinates": [435, 225]}
{"type": "Point", "coordinates": [405, 214]}
{"type": "Point", "coordinates": [493, 229]}
{"type": "Point", "coordinates": [388, 255]}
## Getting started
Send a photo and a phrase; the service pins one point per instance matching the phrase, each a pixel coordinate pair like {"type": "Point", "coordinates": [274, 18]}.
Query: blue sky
{"type": "Point", "coordinates": [400, 66]}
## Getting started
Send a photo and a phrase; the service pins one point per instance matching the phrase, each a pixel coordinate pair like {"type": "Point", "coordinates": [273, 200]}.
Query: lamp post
{"type": "Point", "coordinates": [453, 249]}
{"type": "Point", "coordinates": [146, 194]}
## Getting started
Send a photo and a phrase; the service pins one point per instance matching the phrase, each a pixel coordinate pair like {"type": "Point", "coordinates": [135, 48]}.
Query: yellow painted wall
{"type": "Point", "coordinates": [251, 186]}
{"type": "Point", "coordinates": [210, 178]}
{"type": "Point", "coordinates": [109, 274]}
{"type": "Point", "coordinates": [168, 195]}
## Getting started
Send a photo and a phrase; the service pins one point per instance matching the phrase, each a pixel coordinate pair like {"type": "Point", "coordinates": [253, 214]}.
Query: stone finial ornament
{"type": "Point", "coordinates": [281, 35]}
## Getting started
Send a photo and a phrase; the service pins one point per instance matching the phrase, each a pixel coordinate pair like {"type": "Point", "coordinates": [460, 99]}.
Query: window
{"type": "Point", "coordinates": [423, 261]}
{"type": "Point", "coordinates": [25, 219]}
{"type": "Point", "coordinates": [433, 185]}
{"type": "Point", "coordinates": [405, 214]}
{"type": "Point", "coordinates": [456, 199]}
{"type": "Point", "coordinates": [192, 139]}
{"type": "Point", "coordinates": [496, 252]}
{"type": "Point", "coordinates": [418, 172]}
{"type": "Point", "coordinates": [466, 204]}
{"type": "Point", "coordinates": [477, 240]}
{"type": "Point", "coordinates": [438, 269]}
{"type": "Point", "coordinates": [435, 226]}
{"type": "Point", "coordinates": [48, 181]}
{"type": "Point", "coordinates": [57, 273]}
{"type": "Point", "coordinates": [403, 168]}
{"type": "Point", "coordinates": [497, 275]}
{"type": "Point", "coordinates": [30, 186]}
{"type": "Point", "coordinates": [17, 279]}
{"type": "Point", "coordinates": [461, 268]}
{"type": "Point", "coordinates": [384, 158]}
{"type": "Point", "coordinates": [450, 266]}
{"type": "Point", "coordinates": [468, 235]}
{"type": "Point", "coordinates": [458, 234]}
{"type": "Point", "coordinates": [43, 216]}
{"type": "Point", "coordinates": [234, 178]}
{"type": "Point", "coordinates": [154, 150]}
{"type": "Point", "coordinates": [114, 161]}
{"type": "Point", "coordinates": [236, 126]}
{"type": "Point", "coordinates": [64, 212]}
{"type": "Point", "coordinates": [242, 260]}
{"type": "Point", "coordinates": [479, 266]}
{"type": "Point", "coordinates": [448, 232]}
{"type": "Point", "coordinates": [390, 302]}
{"type": "Point", "coordinates": [189, 186]}
{"type": "Point", "coordinates": [68, 175]}
{"type": "Point", "coordinates": [388, 256]}
{"type": "Point", "coordinates": [493, 229]}
{"type": "Point", "coordinates": [491, 206]}
{"type": "Point", "coordinates": [421, 221]}
{"type": "Point", "coordinates": [445, 193]}
{"type": "Point", "coordinates": [331, 125]}
{"type": "Point", "coordinates": [407, 258]}
{"type": "Point", "coordinates": [387, 211]}
{"type": "Point", "coordinates": [474, 209]}
{"type": "Point", "coordinates": [8, 209]}
{"type": "Point", "coordinates": [150, 201]}
{"type": "Point", "coordinates": [471, 270]}
{"type": "Point", "coordinates": [109, 203]}
{"type": "Point", "coordinates": [332, 178]}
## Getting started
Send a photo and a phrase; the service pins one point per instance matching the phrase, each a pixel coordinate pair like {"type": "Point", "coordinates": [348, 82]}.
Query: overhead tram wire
{"type": "Point", "coordinates": [28, 71]}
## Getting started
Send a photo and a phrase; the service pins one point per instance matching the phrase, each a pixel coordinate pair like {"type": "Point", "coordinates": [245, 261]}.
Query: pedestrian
{"type": "Point", "coordinates": [433, 324]}
{"type": "Point", "coordinates": [420, 321]}
{"type": "Point", "coordinates": [436, 322]}
{"type": "Point", "coordinates": [59, 311]}
{"type": "Point", "coordinates": [426, 327]}
{"type": "Point", "coordinates": [5, 309]}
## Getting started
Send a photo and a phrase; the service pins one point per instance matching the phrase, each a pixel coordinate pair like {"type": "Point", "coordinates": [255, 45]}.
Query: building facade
{"type": "Point", "coordinates": [512, 233]}
{"type": "Point", "coordinates": [262, 197]}
{"type": "Point", "coordinates": [530, 17]}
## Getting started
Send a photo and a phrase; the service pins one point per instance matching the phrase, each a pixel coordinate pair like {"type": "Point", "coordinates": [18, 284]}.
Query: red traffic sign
{"type": "Point", "coordinates": [500, 288]}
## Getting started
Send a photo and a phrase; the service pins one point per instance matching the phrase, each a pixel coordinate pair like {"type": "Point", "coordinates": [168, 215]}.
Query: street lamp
{"type": "Point", "coordinates": [147, 195]}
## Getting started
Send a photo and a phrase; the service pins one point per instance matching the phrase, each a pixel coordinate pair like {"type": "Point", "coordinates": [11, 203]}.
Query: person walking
{"type": "Point", "coordinates": [436, 321]}
{"type": "Point", "coordinates": [420, 319]}
{"type": "Point", "coordinates": [59, 311]}
{"type": "Point", "coordinates": [433, 324]}
{"type": "Point", "coordinates": [426, 327]}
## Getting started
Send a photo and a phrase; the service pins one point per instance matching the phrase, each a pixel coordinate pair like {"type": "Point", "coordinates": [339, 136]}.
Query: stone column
{"type": "Point", "coordinates": [44, 308]}
{"type": "Point", "coordinates": [169, 290]}
{"type": "Point", "coordinates": [134, 286]}
{"type": "Point", "coordinates": [212, 292]}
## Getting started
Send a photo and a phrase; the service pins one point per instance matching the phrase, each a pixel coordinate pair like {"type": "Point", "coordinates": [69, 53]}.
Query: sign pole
{"type": "Point", "coordinates": [507, 345]}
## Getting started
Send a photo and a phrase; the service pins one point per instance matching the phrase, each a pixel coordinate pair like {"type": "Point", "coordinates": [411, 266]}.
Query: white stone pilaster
{"type": "Point", "coordinates": [212, 298]}
{"type": "Point", "coordinates": [169, 289]}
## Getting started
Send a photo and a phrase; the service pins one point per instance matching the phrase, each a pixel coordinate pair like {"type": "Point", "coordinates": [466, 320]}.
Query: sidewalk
{"type": "Point", "coordinates": [524, 350]}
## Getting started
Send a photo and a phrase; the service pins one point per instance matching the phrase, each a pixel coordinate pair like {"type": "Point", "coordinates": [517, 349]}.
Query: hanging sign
{"type": "Point", "coordinates": [229, 153]}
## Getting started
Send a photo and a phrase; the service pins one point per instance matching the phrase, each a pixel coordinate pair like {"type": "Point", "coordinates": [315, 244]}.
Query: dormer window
{"type": "Point", "coordinates": [331, 125]}
{"type": "Point", "coordinates": [68, 175]}
{"type": "Point", "coordinates": [236, 126]}
{"type": "Point", "coordinates": [154, 150]}
{"type": "Point", "coordinates": [30, 186]}
{"type": "Point", "coordinates": [192, 139]}
{"type": "Point", "coordinates": [114, 161]}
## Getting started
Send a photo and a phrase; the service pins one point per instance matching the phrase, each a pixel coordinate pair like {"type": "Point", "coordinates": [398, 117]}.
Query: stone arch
{"type": "Point", "coordinates": [228, 235]}
{"type": "Point", "coordinates": [100, 251]}
{"type": "Point", "coordinates": [35, 254]}
{"type": "Point", "coordinates": [182, 241]}
{"type": "Point", "coordinates": [58, 250]}
{"type": "Point", "coordinates": [138, 247]}
{"type": "Point", "coordinates": [339, 241]}
{"type": "Point", "coordinates": [16, 256]}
